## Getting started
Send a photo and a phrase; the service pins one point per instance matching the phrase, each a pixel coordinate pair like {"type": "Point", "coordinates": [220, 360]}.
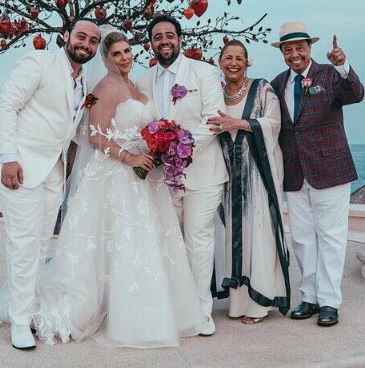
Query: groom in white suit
{"type": "Point", "coordinates": [40, 108]}
{"type": "Point", "coordinates": [205, 176]}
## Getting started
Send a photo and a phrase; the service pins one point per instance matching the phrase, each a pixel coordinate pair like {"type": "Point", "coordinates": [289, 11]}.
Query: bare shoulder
{"type": "Point", "coordinates": [109, 86]}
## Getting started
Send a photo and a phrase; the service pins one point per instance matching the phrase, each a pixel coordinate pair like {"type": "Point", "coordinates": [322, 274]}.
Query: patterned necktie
{"type": "Point", "coordinates": [298, 89]}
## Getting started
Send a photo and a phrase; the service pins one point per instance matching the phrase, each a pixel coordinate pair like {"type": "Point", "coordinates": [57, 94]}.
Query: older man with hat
{"type": "Point", "coordinates": [318, 167]}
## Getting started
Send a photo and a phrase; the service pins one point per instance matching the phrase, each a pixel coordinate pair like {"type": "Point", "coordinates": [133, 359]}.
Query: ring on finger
{"type": "Point", "coordinates": [221, 128]}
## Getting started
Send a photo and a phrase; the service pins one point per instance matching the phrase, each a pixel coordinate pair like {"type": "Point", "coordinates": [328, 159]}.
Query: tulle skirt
{"type": "Point", "coordinates": [120, 273]}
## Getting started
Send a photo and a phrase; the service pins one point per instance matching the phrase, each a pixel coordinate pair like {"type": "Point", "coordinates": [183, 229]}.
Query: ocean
{"type": "Point", "coordinates": [358, 154]}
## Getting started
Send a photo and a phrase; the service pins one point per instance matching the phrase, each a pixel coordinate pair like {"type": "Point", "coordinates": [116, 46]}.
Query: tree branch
{"type": "Point", "coordinates": [200, 32]}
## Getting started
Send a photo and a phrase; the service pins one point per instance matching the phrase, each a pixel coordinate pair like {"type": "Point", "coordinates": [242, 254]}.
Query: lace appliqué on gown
{"type": "Point", "coordinates": [120, 272]}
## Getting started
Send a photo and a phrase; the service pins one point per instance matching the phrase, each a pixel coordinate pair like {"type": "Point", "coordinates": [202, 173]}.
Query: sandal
{"type": "Point", "coordinates": [251, 320]}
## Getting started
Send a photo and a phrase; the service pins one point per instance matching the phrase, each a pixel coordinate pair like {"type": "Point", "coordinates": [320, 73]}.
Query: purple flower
{"type": "Point", "coordinates": [185, 136]}
{"type": "Point", "coordinates": [186, 162]}
{"type": "Point", "coordinates": [178, 162]}
{"type": "Point", "coordinates": [169, 170]}
{"type": "Point", "coordinates": [178, 155]}
{"type": "Point", "coordinates": [178, 91]}
{"type": "Point", "coordinates": [175, 185]}
{"type": "Point", "coordinates": [184, 150]}
{"type": "Point", "coordinates": [172, 149]}
{"type": "Point", "coordinates": [179, 171]}
{"type": "Point", "coordinates": [171, 182]}
{"type": "Point", "coordinates": [172, 145]}
{"type": "Point", "coordinates": [166, 159]}
{"type": "Point", "coordinates": [153, 127]}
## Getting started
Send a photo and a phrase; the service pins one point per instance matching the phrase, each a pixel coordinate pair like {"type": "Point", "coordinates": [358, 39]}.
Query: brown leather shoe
{"type": "Point", "coordinates": [304, 310]}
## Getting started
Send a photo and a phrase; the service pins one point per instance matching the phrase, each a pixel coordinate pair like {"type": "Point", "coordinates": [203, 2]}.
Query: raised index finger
{"type": "Point", "coordinates": [334, 42]}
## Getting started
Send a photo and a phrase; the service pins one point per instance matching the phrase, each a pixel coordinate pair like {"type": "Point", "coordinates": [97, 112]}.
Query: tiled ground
{"type": "Point", "coordinates": [276, 342]}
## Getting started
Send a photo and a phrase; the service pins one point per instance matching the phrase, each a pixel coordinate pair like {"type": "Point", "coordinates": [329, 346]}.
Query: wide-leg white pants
{"type": "Point", "coordinates": [195, 210]}
{"type": "Point", "coordinates": [318, 221]}
{"type": "Point", "coordinates": [30, 215]}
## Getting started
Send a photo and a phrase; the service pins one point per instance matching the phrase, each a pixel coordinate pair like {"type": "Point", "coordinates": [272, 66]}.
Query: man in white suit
{"type": "Point", "coordinates": [40, 108]}
{"type": "Point", "coordinates": [205, 176]}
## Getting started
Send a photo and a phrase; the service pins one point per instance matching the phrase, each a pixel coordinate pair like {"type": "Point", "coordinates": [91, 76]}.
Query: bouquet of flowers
{"type": "Point", "coordinates": [170, 145]}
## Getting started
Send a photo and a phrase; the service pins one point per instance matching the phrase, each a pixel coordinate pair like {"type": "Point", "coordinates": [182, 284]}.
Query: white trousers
{"type": "Point", "coordinates": [195, 210]}
{"type": "Point", "coordinates": [318, 221]}
{"type": "Point", "coordinates": [30, 215]}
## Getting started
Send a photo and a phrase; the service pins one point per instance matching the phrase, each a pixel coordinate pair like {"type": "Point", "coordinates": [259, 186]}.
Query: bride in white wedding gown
{"type": "Point", "coordinates": [120, 273]}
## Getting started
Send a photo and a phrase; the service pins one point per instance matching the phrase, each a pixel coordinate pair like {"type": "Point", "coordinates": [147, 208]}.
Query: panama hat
{"type": "Point", "coordinates": [293, 31]}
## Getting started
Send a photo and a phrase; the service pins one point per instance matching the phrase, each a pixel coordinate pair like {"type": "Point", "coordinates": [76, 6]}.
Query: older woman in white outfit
{"type": "Point", "coordinates": [256, 255]}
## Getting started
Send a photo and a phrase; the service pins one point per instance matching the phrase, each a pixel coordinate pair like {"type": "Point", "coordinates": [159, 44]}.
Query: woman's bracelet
{"type": "Point", "coordinates": [122, 154]}
{"type": "Point", "coordinates": [247, 127]}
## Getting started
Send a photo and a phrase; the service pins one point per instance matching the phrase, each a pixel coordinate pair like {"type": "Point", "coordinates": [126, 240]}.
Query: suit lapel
{"type": "Point", "coordinates": [81, 105]}
{"type": "Point", "coordinates": [66, 77]}
{"type": "Point", "coordinates": [154, 99]}
{"type": "Point", "coordinates": [312, 73]}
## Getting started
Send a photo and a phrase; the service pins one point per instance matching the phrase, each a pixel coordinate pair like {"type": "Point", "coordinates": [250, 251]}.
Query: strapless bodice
{"type": "Point", "coordinates": [129, 119]}
{"type": "Point", "coordinates": [132, 114]}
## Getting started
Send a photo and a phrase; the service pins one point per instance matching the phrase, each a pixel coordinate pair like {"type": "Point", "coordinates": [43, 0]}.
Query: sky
{"type": "Point", "coordinates": [323, 19]}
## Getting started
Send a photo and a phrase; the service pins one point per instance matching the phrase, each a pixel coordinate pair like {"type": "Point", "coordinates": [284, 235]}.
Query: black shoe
{"type": "Point", "coordinates": [328, 316]}
{"type": "Point", "coordinates": [304, 310]}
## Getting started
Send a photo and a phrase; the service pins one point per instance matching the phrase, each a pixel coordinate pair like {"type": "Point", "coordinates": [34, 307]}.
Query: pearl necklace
{"type": "Point", "coordinates": [238, 94]}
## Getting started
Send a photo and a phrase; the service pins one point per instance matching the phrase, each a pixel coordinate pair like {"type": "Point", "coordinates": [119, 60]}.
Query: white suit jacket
{"type": "Point", "coordinates": [36, 113]}
{"type": "Point", "coordinates": [192, 112]}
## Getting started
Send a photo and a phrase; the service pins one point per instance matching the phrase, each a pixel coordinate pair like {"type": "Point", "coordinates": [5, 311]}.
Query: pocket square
{"type": "Point", "coordinates": [315, 89]}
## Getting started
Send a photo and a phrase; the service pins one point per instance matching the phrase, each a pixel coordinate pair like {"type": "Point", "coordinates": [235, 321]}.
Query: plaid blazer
{"type": "Point", "coordinates": [315, 147]}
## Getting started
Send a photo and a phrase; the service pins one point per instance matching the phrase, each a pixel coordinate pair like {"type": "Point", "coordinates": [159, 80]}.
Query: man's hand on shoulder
{"type": "Point", "coordinates": [337, 57]}
{"type": "Point", "coordinates": [12, 175]}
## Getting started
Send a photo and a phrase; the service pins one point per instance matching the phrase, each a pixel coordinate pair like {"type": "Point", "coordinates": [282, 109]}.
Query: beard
{"type": "Point", "coordinates": [166, 61]}
{"type": "Point", "coordinates": [71, 51]}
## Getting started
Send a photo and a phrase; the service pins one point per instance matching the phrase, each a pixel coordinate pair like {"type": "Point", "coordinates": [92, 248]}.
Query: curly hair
{"type": "Point", "coordinates": [164, 18]}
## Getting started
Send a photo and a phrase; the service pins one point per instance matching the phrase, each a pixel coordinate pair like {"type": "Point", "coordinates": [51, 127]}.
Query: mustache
{"type": "Point", "coordinates": [82, 48]}
{"type": "Point", "coordinates": [161, 47]}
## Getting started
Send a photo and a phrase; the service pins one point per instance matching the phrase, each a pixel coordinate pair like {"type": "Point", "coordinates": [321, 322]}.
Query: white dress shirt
{"type": "Point", "coordinates": [289, 89]}
{"type": "Point", "coordinates": [78, 93]}
{"type": "Point", "coordinates": [165, 80]}
{"type": "Point", "coordinates": [77, 96]}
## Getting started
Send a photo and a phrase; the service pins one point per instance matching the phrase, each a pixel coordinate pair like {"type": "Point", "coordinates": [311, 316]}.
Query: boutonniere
{"type": "Point", "coordinates": [178, 91]}
{"type": "Point", "coordinates": [308, 89]}
{"type": "Point", "coordinates": [89, 101]}
{"type": "Point", "coordinates": [306, 84]}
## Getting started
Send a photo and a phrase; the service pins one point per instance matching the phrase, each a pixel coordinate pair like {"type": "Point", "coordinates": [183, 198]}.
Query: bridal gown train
{"type": "Point", "coordinates": [120, 273]}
